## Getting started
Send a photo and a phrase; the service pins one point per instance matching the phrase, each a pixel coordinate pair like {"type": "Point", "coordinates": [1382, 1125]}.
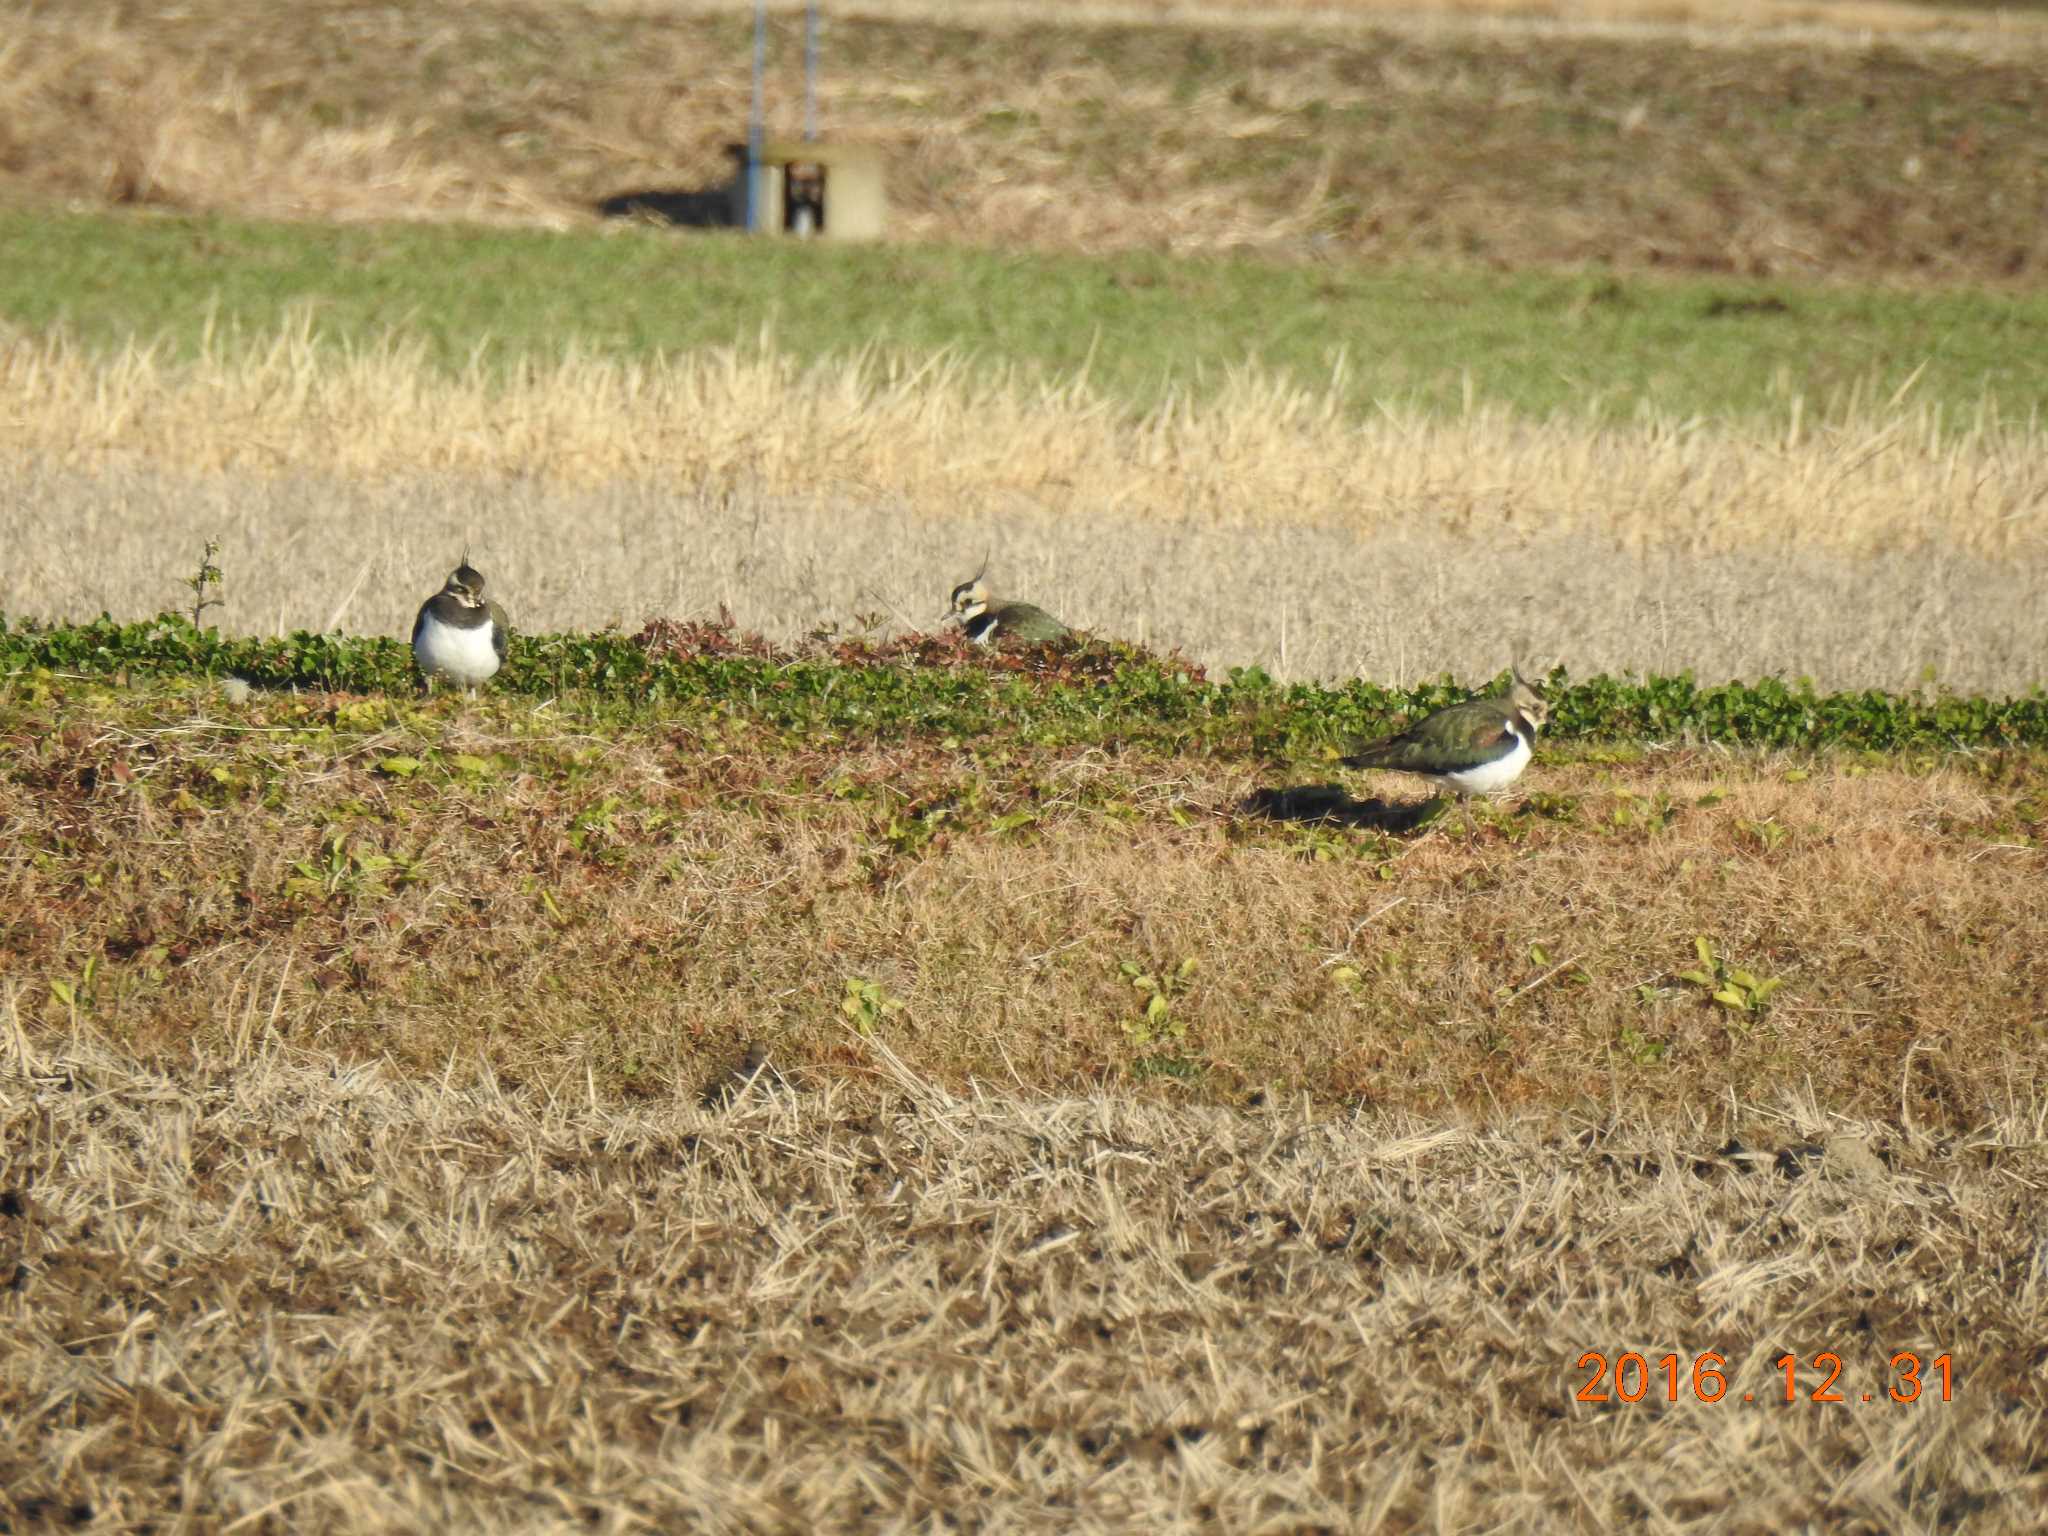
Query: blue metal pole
{"type": "Point", "coordinates": [811, 70]}
{"type": "Point", "coordinates": [754, 121]}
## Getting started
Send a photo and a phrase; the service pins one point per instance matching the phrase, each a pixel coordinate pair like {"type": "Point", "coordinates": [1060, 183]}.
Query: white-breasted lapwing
{"type": "Point", "coordinates": [1475, 748]}
{"type": "Point", "coordinates": [987, 619]}
{"type": "Point", "coordinates": [458, 635]}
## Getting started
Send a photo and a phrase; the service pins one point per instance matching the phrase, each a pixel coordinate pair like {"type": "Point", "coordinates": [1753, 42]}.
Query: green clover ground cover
{"type": "Point", "coordinates": [1100, 695]}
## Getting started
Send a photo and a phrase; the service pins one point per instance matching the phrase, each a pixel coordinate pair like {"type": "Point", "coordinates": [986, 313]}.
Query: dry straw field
{"type": "Point", "coordinates": [1261, 525]}
{"type": "Point", "coordinates": [661, 1122]}
{"type": "Point", "coordinates": [356, 1172]}
{"type": "Point", "coordinates": [256, 1291]}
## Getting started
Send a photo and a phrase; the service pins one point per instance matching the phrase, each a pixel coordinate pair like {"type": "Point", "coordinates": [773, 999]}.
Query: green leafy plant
{"type": "Point", "coordinates": [913, 831]}
{"type": "Point", "coordinates": [1107, 696]}
{"type": "Point", "coordinates": [78, 995]}
{"type": "Point", "coordinates": [1639, 1047]}
{"type": "Point", "coordinates": [867, 1005]}
{"type": "Point", "coordinates": [1652, 813]}
{"type": "Point", "coordinates": [1769, 833]}
{"type": "Point", "coordinates": [341, 869]}
{"type": "Point", "coordinates": [205, 579]}
{"type": "Point", "coordinates": [1157, 1031]}
{"type": "Point", "coordinates": [594, 824]}
{"type": "Point", "coordinates": [1735, 989]}
{"type": "Point", "coordinates": [1157, 991]}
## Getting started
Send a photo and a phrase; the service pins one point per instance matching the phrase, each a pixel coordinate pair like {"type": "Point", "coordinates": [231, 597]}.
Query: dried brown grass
{"type": "Point", "coordinates": [260, 1289]}
{"type": "Point", "coordinates": [1583, 137]}
{"type": "Point", "coordinates": [1262, 526]}
{"type": "Point", "coordinates": [634, 902]}
{"type": "Point", "coordinates": [1847, 23]}
{"type": "Point", "coordinates": [339, 1196]}
{"type": "Point", "coordinates": [98, 103]}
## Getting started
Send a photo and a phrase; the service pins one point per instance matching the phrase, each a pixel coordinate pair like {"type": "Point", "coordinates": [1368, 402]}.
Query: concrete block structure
{"type": "Point", "coordinates": [814, 188]}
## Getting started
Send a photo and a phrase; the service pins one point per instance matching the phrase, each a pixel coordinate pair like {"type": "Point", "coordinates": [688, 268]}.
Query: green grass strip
{"type": "Point", "coordinates": [1141, 324]}
{"type": "Point", "coordinates": [1108, 697]}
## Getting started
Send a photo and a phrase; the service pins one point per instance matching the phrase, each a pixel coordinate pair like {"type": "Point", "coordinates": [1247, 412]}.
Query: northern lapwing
{"type": "Point", "coordinates": [458, 635]}
{"type": "Point", "coordinates": [1475, 748]}
{"type": "Point", "coordinates": [986, 619]}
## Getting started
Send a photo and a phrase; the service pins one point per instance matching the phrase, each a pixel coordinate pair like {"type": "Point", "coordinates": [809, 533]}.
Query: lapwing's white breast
{"type": "Point", "coordinates": [1487, 777]}
{"type": "Point", "coordinates": [464, 656]}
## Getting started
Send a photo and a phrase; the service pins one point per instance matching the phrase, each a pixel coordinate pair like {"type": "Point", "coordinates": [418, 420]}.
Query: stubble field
{"type": "Point", "coordinates": [1264, 525]}
{"type": "Point", "coordinates": [549, 1113]}
{"type": "Point", "coordinates": [520, 1116]}
{"type": "Point", "coordinates": [367, 1299]}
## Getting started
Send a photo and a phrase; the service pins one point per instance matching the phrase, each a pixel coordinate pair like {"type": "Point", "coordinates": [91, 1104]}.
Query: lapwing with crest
{"type": "Point", "coordinates": [1478, 747]}
{"type": "Point", "coordinates": [459, 635]}
{"type": "Point", "coordinates": [986, 619]}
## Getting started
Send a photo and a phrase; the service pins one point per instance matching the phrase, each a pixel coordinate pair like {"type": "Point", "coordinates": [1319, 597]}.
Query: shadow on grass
{"type": "Point", "coordinates": [1331, 803]}
{"type": "Point", "coordinates": [692, 208]}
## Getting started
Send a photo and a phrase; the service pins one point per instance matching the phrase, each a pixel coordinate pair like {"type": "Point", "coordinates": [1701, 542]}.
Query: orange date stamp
{"type": "Point", "coordinates": [1631, 1377]}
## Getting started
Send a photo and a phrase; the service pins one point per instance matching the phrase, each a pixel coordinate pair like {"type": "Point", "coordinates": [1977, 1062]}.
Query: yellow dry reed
{"type": "Point", "coordinates": [938, 434]}
{"type": "Point", "coordinates": [1262, 523]}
